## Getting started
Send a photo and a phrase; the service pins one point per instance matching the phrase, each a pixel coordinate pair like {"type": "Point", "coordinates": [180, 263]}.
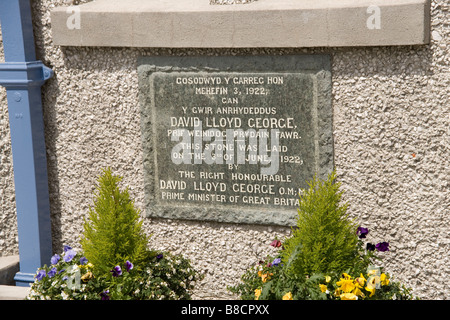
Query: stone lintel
{"type": "Point", "coordinates": [263, 23]}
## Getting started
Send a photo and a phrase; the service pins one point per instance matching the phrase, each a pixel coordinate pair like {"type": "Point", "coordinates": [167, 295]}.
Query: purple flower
{"type": "Point", "coordinates": [362, 232]}
{"type": "Point", "coordinates": [67, 248]}
{"type": "Point", "coordinates": [69, 255]}
{"type": "Point", "coordinates": [382, 246]}
{"type": "Point", "coordinates": [52, 272]}
{"type": "Point", "coordinates": [116, 271]}
{"type": "Point", "coordinates": [105, 295]}
{"type": "Point", "coordinates": [159, 256]}
{"type": "Point", "coordinates": [83, 260]}
{"type": "Point", "coordinates": [370, 247]}
{"type": "Point", "coordinates": [40, 275]}
{"type": "Point", "coordinates": [55, 259]}
{"type": "Point", "coordinates": [128, 265]}
{"type": "Point", "coordinates": [276, 262]}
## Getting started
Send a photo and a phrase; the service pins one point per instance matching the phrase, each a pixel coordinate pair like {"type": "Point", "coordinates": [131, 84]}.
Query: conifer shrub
{"type": "Point", "coordinates": [324, 240]}
{"type": "Point", "coordinates": [113, 230]}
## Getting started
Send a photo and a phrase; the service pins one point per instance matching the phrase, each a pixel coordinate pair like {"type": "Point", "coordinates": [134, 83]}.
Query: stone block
{"type": "Point", "coordinates": [234, 139]}
{"type": "Point", "coordinates": [263, 23]}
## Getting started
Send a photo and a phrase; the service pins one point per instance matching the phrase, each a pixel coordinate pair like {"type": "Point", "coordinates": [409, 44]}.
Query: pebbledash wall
{"type": "Point", "coordinates": [391, 145]}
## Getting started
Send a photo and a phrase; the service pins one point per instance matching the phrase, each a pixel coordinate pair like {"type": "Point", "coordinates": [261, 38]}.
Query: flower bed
{"type": "Point", "coordinates": [72, 277]}
{"type": "Point", "coordinates": [115, 261]}
{"type": "Point", "coordinates": [324, 259]}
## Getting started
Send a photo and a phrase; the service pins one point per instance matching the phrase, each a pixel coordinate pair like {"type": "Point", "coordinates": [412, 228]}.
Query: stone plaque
{"type": "Point", "coordinates": [234, 139]}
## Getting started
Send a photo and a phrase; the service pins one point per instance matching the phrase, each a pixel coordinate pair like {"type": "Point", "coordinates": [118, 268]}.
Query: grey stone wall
{"type": "Point", "coordinates": [8, 222]}
{"type": "Point", "coordinates": [391, 127]}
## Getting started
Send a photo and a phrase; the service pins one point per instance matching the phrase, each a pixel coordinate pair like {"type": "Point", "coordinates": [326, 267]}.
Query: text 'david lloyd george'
{"type": "Point", "coordinates": [233, 138]}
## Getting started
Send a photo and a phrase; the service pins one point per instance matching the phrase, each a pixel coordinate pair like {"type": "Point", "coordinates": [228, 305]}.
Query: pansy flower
{"type": "Point", "coordinates": [276, 262]}
{"type": "Point", "coordinates": [105, 295]}
{"type": "Point", "coordinates": [346, 284]}
{"type": "Point", "coordinates": [69, 255]}
{"type": "Point", "coordinates": [40, 275]}
{"type": "Point", "coordinates": [55, 258]}
{"type": "Point", "coordinates": [382, 246]}
{"type": "Point", "coordinates": [87, 276]}
{"type": "Point", "coordinates": [362, 232]}
{"type": "Point", "coordinates": [128, 266]}
{"type": "Point", "coordinates": [348, 296]}
{"type": "Point", "coordinates": [384, 279]}
{"type": "Point", "coordinates": [116, 271]}
{"type": "Point", "coordinates": [52, 272]}
{"type": "Point", "coordinates": [257, 293]}
{"type": "Point", "coordinates": [287, 296]}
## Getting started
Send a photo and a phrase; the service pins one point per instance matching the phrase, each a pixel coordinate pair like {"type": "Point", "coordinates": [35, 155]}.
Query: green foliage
{"type": "Point", "coordinates": [324, 240]}
{"type": "Point", "coordinates": [323, 259]}
{"type": "Point", "coordinates": [113, 233]}
{"type": "Point", "coordinates": [272, 281]}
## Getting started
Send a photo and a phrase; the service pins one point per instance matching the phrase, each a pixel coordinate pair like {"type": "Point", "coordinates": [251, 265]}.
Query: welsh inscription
{"type": "Point", "coordinates": [239, 141]}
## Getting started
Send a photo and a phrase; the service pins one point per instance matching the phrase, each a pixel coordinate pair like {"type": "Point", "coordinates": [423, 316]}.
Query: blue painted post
{"type": "Point", "coordinates": [23, 76]}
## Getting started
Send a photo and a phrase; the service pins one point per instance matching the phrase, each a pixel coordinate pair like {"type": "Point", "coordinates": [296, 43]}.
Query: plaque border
{"type": "Point", "coordinates": [317, 64]}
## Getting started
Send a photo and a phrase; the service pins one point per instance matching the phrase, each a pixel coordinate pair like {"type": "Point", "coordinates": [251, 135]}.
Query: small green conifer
{"type": "Point", "coordinates": [325, 238]}
{"type": "Point", "coordinates": [113, 231]}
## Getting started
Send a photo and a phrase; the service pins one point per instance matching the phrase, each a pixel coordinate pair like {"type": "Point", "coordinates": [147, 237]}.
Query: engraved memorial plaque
{"type": "Point", "coordinates": [234, 139]}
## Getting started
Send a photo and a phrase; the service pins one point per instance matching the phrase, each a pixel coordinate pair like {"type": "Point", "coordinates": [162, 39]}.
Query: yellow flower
{"type": "Point", "coordinates": [371, 290]}
{"type": "Point", "coordinates": [372, 284]}
{"type": "Point", "coordinates": [265, 276]}
{"type": "Point", "coordinates": [348, 296]}
{"type": "Point", "coordinates": [323, 288]}
{"type": "Point", "coordinates": [287, 296]}
{"type": "Point", "coordinates": [337, 292]}
{"type": "Point", "coordinates": [358, 292]}
{"type": "Point", "coordinates": [384, 280]}
{"type": "Point", "coordinates": [327, 279]}
{"type": "Point", "coordinates": [359, 283]}
{"type": "Point", "coordinates": [87, 276]}
{"type": "Point", "coordinates": [346, 276]}
{"type": "Point", "coordinates": [257, 293]}
{"type": "Point", "coordinates": [346, 284]}
{"type": "Point", "coordinates": [361, 280]}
